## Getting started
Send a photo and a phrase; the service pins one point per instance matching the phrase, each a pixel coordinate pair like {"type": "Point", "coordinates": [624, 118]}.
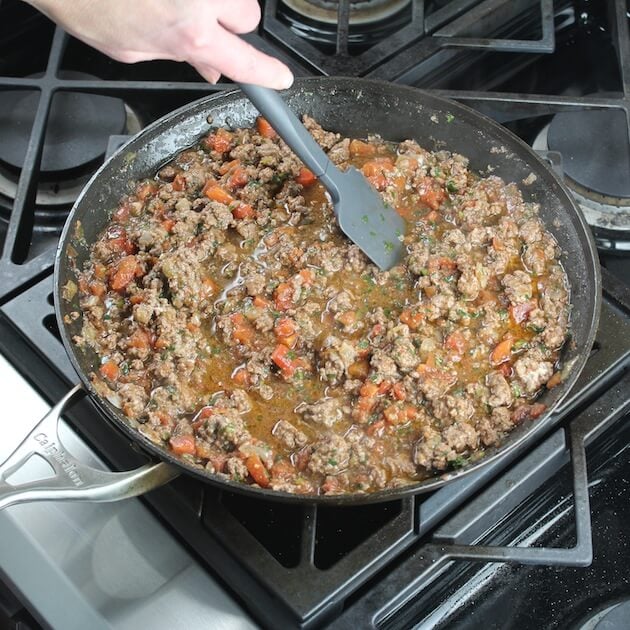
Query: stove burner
{"type": "Point", "coordinates": [361, 11]}
{"type": "Point", "coordinates": [78, 130]}
{"type": "Point", "coordinates": [594, 146]}
{"type": "Point", "coordinates": [370, 22]}
{"type": "Point", "coordinates": [596, 163]}
{"type": "Point", "coordinates": [78, 127]}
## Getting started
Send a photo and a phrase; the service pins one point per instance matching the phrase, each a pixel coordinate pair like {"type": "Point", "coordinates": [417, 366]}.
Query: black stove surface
{"type": "Point", "coordinates": [408, 562]}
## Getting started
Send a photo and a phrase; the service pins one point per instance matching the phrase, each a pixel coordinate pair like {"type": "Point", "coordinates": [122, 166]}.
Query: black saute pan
{"type": "Point", "coordinates": [353, 107]}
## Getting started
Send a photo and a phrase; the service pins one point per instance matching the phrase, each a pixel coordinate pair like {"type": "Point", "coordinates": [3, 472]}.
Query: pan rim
{"type": "Point", "coordinates": [381, 496]}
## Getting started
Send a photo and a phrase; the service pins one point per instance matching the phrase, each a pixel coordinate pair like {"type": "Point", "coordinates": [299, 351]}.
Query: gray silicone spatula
{"type": "Point", "coordinates": [362, 215]}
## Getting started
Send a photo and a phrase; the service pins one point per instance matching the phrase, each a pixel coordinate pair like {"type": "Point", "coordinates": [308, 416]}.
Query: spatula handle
{"type": "Point", "coordinates": [287, 125]}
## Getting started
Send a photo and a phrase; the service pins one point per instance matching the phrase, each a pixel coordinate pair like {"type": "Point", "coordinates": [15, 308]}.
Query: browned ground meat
{"type": "Point", "coordinates": [238, 327]}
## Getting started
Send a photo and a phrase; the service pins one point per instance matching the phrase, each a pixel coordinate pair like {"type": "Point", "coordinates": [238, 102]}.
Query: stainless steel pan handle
{"type": "Point", "coordinates": [73, 480]}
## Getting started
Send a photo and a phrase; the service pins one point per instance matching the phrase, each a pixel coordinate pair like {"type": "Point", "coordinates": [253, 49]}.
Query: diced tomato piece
{"type": "Point", "coordinates": [257, 470]}
{"type": "Point", "coordinates": [216, 193]}
{"type": "Point", "coordinates": [430, 193]}
{"type": "Point", "coordinates": [161, 343]}
{"type": "Point", "coordinates": [520, 312]}
{"type": "Point", "coordinates": [117, 240]}
{"type": "Point", "coordinates": [305, 177]}
{"type": "Point", "coordinates": [210, 287]}
{"type": "Point", "coordinates": [283, 296]}
{"type": "Point", "coordinates": [456, 342]}
{"type": "Point", "coordinates": [168, 224]}
{"type": "Point", "coordinates": [398, 390]}
{"type": "Point", "coordinates": [145, 190]}
{"type": "Point", "coordinates": [368, 389]}
{"type": "Point", "coordinates": [364, 407]}
{"type": "Point", "coordinates": [125, 273]}
{"type": "Point", "coordinates": [358, 148]}
{"type": "Point", "coordinates": [226, 167]}
{"type": "Point", "coordinates": [220, 141]}
{"type": "Point", "coordinates": [183, 444]}
{"type": "Point", "coordinates": [264, 128]}
{"type": "Point", "coordinates": [140, 339]}
{"type": "Point", "coordinates": [242, 377]}
{"type": "Point", "coordinates": [97, 288]}
{"type": "Point", "coordinates": [179, 182]}
{"type": "Point", "coordinates": [502, 351]}
{"type": "Point", "coordinates": [243, 332]}
{"type": "Point", "coordinates": [110, 370]}
{"type": "Point", "coordinates": [209, 411]}
{"type": "Point", "coordinates": [284, 327]}
{"type": "Point", "coordinates": [244, 211]}
{"type": "Point", "coordinates": [383, 387]}
{"type": "Point", "coordinates": [413, 319]}
{"type": "Point", "coordinates": [238, 178]}
{"type": "Point", "coordinates": [379, 181]}
{"type": "Point", "coordinates": [376, 428]}
{"type": "Point", "coordinates": [307, 276]}
{"type": "Point", "coordinates": [261, 302]}
{"type": "Point", "coordinates": [375, 171]}
{"type": "Point", "coordinates": [100, 271]}
{"type": "Point", "coordinates": [281, 357]}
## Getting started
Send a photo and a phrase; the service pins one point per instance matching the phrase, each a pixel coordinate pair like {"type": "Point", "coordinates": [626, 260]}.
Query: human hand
{"type": "Point", "coordinates": [202, 32]}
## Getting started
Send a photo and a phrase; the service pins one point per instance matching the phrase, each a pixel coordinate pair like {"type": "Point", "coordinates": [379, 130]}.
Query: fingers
{"type": "Point", "coordinates": [241, 62]}
{"type": "Point", "coordinates": [239, 16]}
{"type": "Point", "coordinates": [208, 73]}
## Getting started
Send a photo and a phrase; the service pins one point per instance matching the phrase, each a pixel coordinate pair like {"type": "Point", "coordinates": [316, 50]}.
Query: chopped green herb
{"type": "Point", "coordinates": [365, 218]}
{"type": "Point", "coordinates": [389, 247]}
{"type": "Point", "coordinates": [450, 118]}
{"type": "Point", "coordinates": [451, 187]}
{"type": "Point", "coordinates": [459, 462]}
{"type": "Point", "coordinates": [516, 390]}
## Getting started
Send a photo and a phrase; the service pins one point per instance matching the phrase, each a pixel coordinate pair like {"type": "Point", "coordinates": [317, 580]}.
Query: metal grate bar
{"type": "Point", "coordinates": [309, 527]}
{"type": "Point", "coordinates": [21, 221]}
{"type": "Point", "coordinates": [343, 27]}
{"type": "Point", "coordinates": [622, 19]}
{"type": "Point", "coordinates": [447, 13]}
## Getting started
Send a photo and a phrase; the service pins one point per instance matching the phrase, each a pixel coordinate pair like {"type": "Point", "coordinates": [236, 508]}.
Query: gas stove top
{"type": "Point", "coordinates": [508, 547]}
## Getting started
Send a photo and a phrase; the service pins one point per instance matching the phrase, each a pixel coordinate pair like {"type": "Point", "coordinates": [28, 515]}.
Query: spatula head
{"type": "Point", "coordinates": [365, 219]}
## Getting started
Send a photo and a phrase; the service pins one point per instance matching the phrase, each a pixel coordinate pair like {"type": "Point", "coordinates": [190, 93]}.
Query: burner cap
{"type": "Point", "coordinates": [79, 126]}
{"type": "Point", "coordinates": [361, 11]}
{"type": "Point", "coordinates": [595, 149]}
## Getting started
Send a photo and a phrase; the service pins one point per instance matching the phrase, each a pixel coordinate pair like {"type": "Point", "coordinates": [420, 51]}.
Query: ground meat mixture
{"type": "Point", "coordinates": [240, 329]}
